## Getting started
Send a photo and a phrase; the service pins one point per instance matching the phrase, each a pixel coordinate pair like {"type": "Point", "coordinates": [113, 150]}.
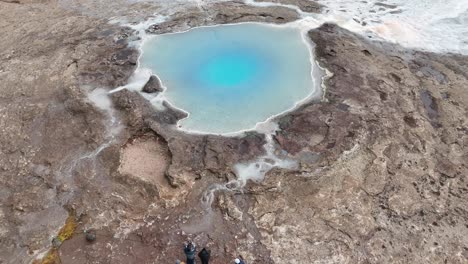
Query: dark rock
{"type": "Point", "coordinates": [395, 77]}
{"type": "Point", "coordinates": [431, 107]}
{"type": "Point", "coordinates": [386, 5]}
{"type": "Point", "coordinates": [383, 95]}
{"type": "Point", "coordinates": [343, 107]}
{"type": "Point", "coordinates": [56, 242]}
{"type": "Point", "coordinates": [153, 29]}
{"type": "Point", "coordinates": [410, 121]}
{"type": "Point", "coordinates": [125, 56]}
{"type": "Point", "coordinates": [139, 110]}
{"type": "Point", "coordinates": [425, 68]}
{"type": "Point", "coordinates": [366, 52]}
{"type": "Point", "coordinates": [153, 85]}
{"type": "Point", "coordinates": [437, 75]}
{"type": "Point", "coordinates": [171, 115]}
{"type": "Point", "coordinates": [91, 235]}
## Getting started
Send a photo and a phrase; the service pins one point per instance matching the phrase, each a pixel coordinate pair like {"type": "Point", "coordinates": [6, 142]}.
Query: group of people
{"type": "Point", "coordinates": [190, 250]}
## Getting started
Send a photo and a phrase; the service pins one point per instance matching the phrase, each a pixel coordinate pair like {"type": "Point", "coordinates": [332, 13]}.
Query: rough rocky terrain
{"type": "Point", "coordinates": [382, 175]}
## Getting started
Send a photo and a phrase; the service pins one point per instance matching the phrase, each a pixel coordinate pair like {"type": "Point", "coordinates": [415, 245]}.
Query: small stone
{"type": "Point", "coordinates": [56, 242]}
{"type": "Point", "coordinates": [90, 235]}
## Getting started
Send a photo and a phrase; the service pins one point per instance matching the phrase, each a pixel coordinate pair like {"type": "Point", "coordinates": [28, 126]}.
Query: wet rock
{"type": "Point", "coordinates": [153, 29]}
{"type": "Point", "coordinates": [428, 71]}
{"type": "Point", "coordinates": [140, 110]}
{"type": "Point", "coordinates": [153, 85]}
{"type": "Point", "coordinates": [303, 5]}
{"type": "Point", "coordinates": [125, 56]}
{"type": "Point", "coordinates": [224, 13]}
{"type": "Point", "coordinates": [194, 154]}
{"type": "Point", "coordinates": [191, 155]}
{"type": "Point", "coordinates": [294, 142]}
{"type": "Point", "coordinates": [171, 114]}
{"type": "Point", "coordinates": [431, 107]}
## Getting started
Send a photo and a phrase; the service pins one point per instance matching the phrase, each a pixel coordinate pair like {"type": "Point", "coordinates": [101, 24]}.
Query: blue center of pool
{"type": "Point", "coordinates": [229, 78]}
{"type": "Point", "coordinates": [230, 69]}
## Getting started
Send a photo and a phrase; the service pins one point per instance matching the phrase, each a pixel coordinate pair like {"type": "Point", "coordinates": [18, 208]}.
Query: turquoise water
{"type": "Point", "coordinates": [231, 77]}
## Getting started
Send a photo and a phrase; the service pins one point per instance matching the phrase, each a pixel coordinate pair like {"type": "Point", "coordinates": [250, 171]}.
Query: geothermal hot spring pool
{"type": "Point", "coordinates": [230, 78]}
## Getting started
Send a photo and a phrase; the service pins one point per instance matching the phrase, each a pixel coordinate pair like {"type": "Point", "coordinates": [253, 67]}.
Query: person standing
{"type": "Point", "coordinates": [204, 255]}
{"type": "Point", "coordinates": [189, 251]}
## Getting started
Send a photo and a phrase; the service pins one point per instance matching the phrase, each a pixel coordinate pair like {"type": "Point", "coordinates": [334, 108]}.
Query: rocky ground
{"type": "Point", "coordinates": [382, 175]}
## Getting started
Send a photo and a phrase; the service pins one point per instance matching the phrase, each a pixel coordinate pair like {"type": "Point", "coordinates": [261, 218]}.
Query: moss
{"type": "Point", "coordinates": [68, 229]}
{"type": "Point", "coordinates": [66, 232]}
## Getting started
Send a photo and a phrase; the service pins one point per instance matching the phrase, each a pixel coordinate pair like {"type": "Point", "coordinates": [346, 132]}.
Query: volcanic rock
{"type": "Point", "coordinates": [153, 85]}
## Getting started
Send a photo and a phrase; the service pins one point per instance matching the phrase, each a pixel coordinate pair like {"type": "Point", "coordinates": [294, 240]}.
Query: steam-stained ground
{"type": "Point", "coordinates": [382, 175]}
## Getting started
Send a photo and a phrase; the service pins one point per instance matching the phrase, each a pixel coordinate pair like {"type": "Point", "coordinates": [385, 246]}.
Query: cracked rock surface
{"type": "Point", "coordinates": [389, 181]}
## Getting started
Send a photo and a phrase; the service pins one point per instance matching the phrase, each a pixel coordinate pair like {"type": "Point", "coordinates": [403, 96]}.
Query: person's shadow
{"type": "Point", "coordinates": [204, 256]}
